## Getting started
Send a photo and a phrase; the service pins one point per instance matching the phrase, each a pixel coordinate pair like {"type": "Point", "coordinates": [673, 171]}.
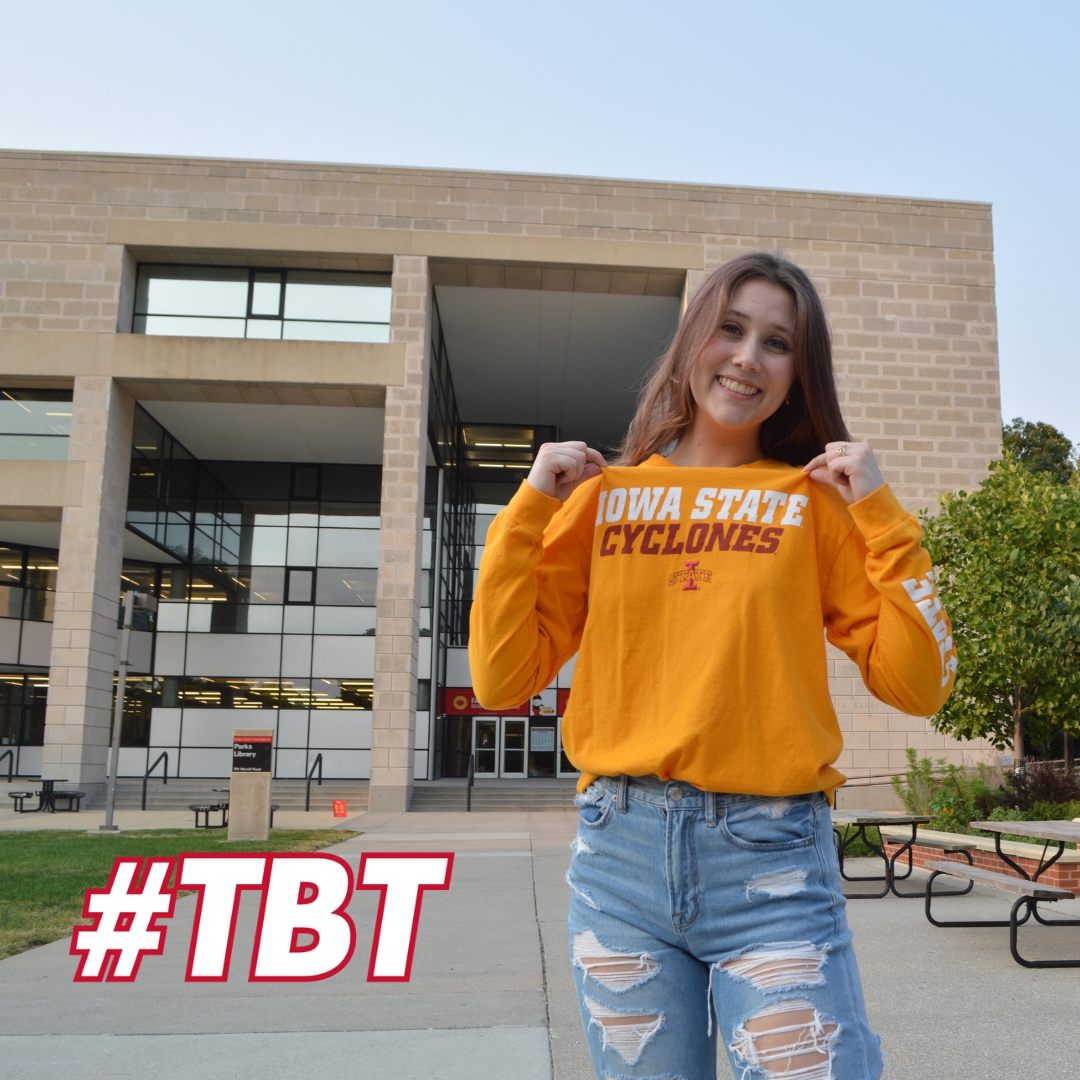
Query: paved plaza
{"type": "Point", "coordinates": [491, 994]}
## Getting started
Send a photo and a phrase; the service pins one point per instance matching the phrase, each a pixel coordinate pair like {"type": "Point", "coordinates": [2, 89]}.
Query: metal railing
{"type": "Point", "coordinates": [164, 776]}
{"type": "Point", "coordinates": [469, 783]}
{"type": "Point", "coordinates": [11, 763]}
{"type": "Point", "coordinates": [316, 764]}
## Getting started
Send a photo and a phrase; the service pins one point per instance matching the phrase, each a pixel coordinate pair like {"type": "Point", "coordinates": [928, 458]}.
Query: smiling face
{"type": "Point", "coordinates": [744, 373]}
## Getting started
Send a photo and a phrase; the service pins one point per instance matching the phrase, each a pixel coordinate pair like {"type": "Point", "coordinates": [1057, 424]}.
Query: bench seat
{"type": "Point", "coordinates": [73, 798]}
{"type": "Point", "coordinates": [1004, 882]}
{"type": "Point", "coordinates": [20, 797]}
{"type": "Point", "coordinates": [1029, 895]}
{"type": "Point", "coordinates": [948, 846]}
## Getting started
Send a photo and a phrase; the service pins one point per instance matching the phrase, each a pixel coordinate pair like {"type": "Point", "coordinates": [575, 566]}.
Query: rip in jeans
{"type": "Point", "coordinates": [616, 971]}
{"type": "Point", "coordinates": [787, 1039]}
{"type": "Point", "coordinates": [627, 1033]}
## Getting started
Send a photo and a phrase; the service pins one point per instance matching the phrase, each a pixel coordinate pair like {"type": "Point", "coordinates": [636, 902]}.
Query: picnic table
{"type": "Point", "coordinates": [1052, 832]}
{"type": "Point", "coordinates": [47, 797]}
{"type": "Point", "coordinates": [1030, 892]}
{"type": "Point", "coordinates": [866, 819]}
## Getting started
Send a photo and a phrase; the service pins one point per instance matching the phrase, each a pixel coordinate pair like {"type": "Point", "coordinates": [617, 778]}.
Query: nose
{"type": "Point", "coordinates": [748, 355]}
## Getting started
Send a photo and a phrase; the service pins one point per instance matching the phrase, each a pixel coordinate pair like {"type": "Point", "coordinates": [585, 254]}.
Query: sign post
{"type": "Point", "coordinates": [249, 785]}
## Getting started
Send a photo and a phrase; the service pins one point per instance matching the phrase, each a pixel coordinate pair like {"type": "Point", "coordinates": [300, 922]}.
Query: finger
{"type": "Point", "coordinates": [568, 466]}
{"type": "Point", "coordinates": [816, 462]}
{"type": "Point", "coordinates": [823, 476]}
{"type": "Point", "coordinates": [595, 457]}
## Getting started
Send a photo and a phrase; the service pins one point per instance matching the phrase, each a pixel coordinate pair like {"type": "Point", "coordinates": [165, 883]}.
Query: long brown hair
{"type": "Point", "coordinates": [801, 427]}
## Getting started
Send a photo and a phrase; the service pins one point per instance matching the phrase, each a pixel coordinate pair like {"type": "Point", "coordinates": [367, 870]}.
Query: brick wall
{"type": "Point", "coordinates": [1063, 875]}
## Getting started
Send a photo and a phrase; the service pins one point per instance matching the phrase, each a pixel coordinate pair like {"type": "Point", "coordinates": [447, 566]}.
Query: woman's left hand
{"type": "Point", "coordinates": [850, 467]}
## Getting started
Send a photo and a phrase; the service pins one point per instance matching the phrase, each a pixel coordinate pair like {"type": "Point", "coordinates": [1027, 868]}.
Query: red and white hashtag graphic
{"type": "Point", "coordinates": [303, 931]}
{"type": "Point", "coordinates": [125, 921]}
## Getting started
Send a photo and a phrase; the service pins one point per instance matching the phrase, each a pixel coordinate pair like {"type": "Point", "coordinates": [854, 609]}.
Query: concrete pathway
{"type": "Point", "coordinates": [492, 995]}
{"type": "Point", "coordinates": [89, 820]}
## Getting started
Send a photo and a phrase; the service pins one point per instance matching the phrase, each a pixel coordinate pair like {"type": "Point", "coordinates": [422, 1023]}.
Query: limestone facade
{"type": "Point", "coordinates": [908, 283]}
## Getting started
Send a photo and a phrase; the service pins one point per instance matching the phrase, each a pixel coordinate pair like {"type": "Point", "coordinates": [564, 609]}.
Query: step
{"type": "Point", "coordinates": [289, 795]}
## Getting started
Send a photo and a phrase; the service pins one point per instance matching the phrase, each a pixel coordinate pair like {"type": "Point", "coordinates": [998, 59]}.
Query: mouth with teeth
{"type": "Point", "coordinates": [742, 389]}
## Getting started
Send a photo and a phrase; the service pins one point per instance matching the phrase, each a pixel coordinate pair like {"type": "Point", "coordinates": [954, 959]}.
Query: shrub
{"type": "Point", "coordinates": [1040, 781]}
{"type": "Point", "coordinates": [950, 795]}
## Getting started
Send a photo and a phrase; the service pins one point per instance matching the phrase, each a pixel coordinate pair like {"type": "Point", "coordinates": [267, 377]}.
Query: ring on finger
{"type": "Point", "coordinates": [840, 451]}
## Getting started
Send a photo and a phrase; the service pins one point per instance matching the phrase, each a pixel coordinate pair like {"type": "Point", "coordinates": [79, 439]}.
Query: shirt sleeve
{"type": "Point", "coordinates": [532, 594]}
{"type": "Point", "coordinates": [881, 607]}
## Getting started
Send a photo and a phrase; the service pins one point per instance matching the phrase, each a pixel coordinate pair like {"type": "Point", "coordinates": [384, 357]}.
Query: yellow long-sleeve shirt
{"type": "Point", "coordinates": [696, 600]}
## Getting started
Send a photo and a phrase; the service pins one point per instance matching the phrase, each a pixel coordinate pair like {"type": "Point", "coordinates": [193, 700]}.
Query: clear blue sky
{"type": "Point", "coordinates": [958, 100]}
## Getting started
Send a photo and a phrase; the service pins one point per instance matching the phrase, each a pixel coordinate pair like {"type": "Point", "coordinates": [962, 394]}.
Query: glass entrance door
{"type": "Point", "coordinates": [513, 747]}
{"type": "Point", "coordinates": [499, 745]}
{"type": "Point", "coordinates": [486, 745]}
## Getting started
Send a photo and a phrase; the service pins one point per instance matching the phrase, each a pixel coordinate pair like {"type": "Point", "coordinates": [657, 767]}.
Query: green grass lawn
{"type": "Point", "coordinates": [44, 874]}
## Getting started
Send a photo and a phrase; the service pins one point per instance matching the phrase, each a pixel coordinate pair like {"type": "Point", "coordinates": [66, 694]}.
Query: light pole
{"type": "Point", "coordinates": [133, 601]}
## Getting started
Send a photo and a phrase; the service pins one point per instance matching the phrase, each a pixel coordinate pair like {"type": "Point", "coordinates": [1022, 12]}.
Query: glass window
{"type": "Point", "coordinates": [269, 545]}
{"type": "Point", "coordinates": [22, 709]}
{"type": "Point", "coordinates": [338, 296]}
{"type": "Point", "coordinates": [34, 424]}
{"type": "Point", "coordinates": [348, 547]}
{"type": "Point", "coordinates": [11, 565]}
{"type": "Point", "coordinates": [339, 587]}
{"type": "Point", "coordinates": [266, 292]}
{"type": "Point", "coordinates": [213, 292]}
{"type": "Point", "coordinates": [11, 602]}
{"type": "Point", "coordinates": [348, 694]}
{"type": "Point", "coordinates": [299, 585]}
{"type": "Point", "coordinates": [228, 693]}
{"type": "Point", "coordinates": [303, 543]}
{"type": "Point", "coordinates": [299, 305]}
{"type": "Point", "coordinates": [345, 620]}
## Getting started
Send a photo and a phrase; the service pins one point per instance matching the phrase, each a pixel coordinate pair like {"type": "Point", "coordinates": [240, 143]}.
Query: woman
{"type": "Point", "coordinates": [694, 579]}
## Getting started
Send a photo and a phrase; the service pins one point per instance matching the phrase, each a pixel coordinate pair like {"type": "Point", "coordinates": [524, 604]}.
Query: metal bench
{"type": "Point", "coordinates": [72, 798]}
{"type": "Point", "coordinates": [946, 847]}
{"type": "Point", "coordinates": [1030, 894]}
{"type": "Point", "coordinates": [20, 797]}
{"type": "Point", "coordinates": [204, 810]}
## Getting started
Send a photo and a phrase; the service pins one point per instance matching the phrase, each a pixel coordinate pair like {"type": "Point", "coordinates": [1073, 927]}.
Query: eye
{"type": "Point", "coordinates": [779, 344]}
{"type": "Point", "coordinates": [731, 328]}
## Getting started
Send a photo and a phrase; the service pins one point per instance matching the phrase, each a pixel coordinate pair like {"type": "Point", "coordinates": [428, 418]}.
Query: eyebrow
{"type": "Point", "coordinates": [775, 326]}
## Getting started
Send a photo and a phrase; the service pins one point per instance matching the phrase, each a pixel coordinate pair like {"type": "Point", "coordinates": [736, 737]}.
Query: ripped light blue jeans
{"type": "Point", "coordinates": [694, 914]}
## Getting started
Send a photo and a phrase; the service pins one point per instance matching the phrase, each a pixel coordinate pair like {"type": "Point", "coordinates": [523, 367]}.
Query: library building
{"type": "Point", "coordinates": [286, 400]}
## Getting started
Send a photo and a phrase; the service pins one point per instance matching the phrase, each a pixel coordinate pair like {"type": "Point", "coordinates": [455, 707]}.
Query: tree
{"type": "Point", "coordinates": [1008, 558]}
{"type": "Point", "coordinates": [1041, 447]}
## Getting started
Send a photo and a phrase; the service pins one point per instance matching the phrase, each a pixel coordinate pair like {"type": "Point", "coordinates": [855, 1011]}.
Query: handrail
{"type": "Point", "coordinates": [469, 785]}
{"type": "Point", "coordinates": [164, 776]}
{"type": "Point", "coordinates": [11, 763]}
{"type": "Point", "coordinates": [317, 763]}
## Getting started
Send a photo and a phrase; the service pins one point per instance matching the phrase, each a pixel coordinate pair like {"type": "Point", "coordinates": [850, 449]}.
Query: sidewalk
{"type": "Point", "coordinates": [89, 820]}
{"type": "Point", "coordinates": [492, 996]}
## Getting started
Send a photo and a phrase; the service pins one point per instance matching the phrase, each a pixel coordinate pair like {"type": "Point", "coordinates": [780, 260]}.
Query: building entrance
{"type": "Point", "coordinates": [499, 745]}
{"type": "Point", "coordinates": [512, 746]}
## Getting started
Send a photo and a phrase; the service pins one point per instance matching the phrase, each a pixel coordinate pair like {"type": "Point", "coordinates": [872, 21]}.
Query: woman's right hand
{"type": "Point", "coordinates": [561, 467]}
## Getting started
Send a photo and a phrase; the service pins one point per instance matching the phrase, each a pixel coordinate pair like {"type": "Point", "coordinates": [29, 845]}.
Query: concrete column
{"type": "Point", "coordinates": [397, 624]}
{"type": "Point", "coordinates": [79, 711]}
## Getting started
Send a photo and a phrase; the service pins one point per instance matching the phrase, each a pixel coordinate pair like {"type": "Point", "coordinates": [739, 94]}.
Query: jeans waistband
{"type": "Point", "coordinates": [651, 789]}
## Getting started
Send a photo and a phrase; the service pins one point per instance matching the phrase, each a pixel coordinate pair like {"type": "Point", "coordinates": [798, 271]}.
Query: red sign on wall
{"type": "Point", "coordinates": [460, 701]}
{"type": "Point", "coordinates": [564, 700]}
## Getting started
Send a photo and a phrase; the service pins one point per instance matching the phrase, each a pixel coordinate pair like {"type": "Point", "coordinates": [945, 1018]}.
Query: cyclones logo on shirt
{"type": "Point", "coordinates": [751, 516]}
